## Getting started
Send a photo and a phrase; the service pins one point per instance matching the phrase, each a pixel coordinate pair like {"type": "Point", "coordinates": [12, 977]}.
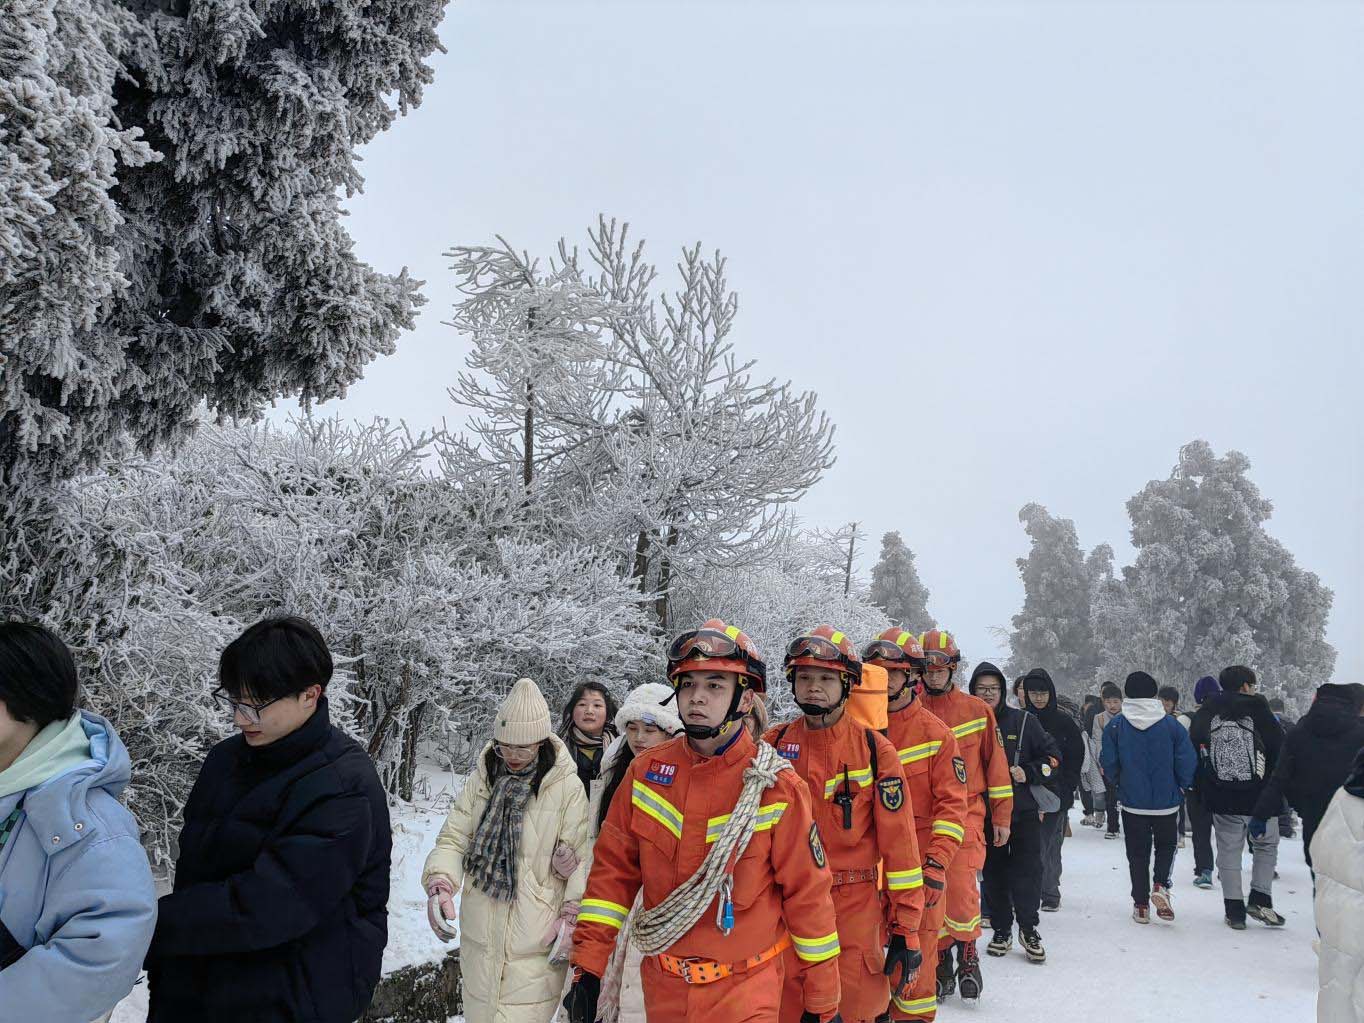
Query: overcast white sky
{"type": "Point", "coordinates": [1041, 245]}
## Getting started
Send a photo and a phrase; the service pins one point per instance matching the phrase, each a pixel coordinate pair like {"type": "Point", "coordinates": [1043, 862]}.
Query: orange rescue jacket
{"type": "Point", "coordinates": [937, 777]}
{"type": "Point", "coordinates": [979, 744]}
{"type": "Point", "coordinates": [878, 823]}
{"type": "Point", "coordinates": [672, 803]}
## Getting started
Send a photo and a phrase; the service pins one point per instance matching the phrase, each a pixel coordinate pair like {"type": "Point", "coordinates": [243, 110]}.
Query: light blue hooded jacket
{"type": "Point", "coordinates": [75, 890]}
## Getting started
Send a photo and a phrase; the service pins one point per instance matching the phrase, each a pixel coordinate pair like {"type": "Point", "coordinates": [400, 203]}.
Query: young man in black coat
{"type": "Point", "coordinates": [1238, 739]}
{"type": "Point", "coordinates": [1316, 759]}
{"type": "Point", "coordinates": [1040, 693]}
{"type": "Point", "coordinates": [1013, 871]}
{"type": "Point", "coordinates": [279, 911]}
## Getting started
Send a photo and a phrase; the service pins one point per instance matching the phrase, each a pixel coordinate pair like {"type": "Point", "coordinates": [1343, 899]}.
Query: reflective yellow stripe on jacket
{"type": "Point", "coordinates": [815, 950]}
{"type": "Point", "coordinates": [600, 911]}
{"type": "Point", "coordinates": [648, 801]}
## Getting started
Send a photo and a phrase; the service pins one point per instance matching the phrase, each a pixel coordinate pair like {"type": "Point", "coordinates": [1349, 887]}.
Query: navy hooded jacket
{"type": "Point", "coordinates": [1148, 756]}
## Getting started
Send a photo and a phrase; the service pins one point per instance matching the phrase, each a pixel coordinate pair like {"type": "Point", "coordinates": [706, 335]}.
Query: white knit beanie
{"type": "Point", "coordinates": [523, 718]}
{"type": "Point", "coordinates": [645, 703]}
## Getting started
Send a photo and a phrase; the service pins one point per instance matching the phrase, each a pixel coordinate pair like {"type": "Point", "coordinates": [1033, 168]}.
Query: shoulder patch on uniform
{"type": "Point", "coordinates": [661, 773]}
{"type": "Point", "coordinates": [817, 847]}
{"type": "Point", "coordinates": [891, 792]}
{"type": "Point", "coordinates": [789, 750]}
{"type": "Point", "coordinates": [959, 766]}
{"type": "Point", "coordinates": [999, 737]}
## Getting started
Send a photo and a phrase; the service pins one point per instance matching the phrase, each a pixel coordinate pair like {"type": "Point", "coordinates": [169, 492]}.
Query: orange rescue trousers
{"type": "Point", "coordinates": [861, 915]}
{"type": "Point", "coordinates": [750, 997]}
{"type": "Point", "coordinates": [961, 922]}
{"type": "Point", "coordinates": [922, 1001]}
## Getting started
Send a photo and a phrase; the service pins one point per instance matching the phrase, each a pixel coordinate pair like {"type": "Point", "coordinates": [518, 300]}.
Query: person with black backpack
{"type": "Point", "coordinates": [1238, 740]}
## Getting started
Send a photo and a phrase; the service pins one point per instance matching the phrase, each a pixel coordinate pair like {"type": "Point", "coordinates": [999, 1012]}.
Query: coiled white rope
{"type": "Point", "coordinates": [655, 930]}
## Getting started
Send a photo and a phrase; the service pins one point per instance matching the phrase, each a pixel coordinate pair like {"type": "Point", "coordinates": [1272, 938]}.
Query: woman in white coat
{"type": "Point", "coordinates": [512, 844]}
{"type": "Point", "coordinates": [1338, 859]}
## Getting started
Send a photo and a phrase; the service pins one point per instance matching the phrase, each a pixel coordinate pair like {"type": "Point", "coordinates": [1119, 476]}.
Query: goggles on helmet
{"type": "Point", "coordinates": [816, 647]}
{"type": "Point", "coordinates": [885, 650]}
{"type": "Point", "coordinates": [703, 643]}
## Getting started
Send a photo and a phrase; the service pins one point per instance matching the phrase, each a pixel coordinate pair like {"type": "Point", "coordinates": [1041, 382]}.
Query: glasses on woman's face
{"type": "Point", "coordinates": [249, 711]}
{"type": "Point", "coordinates": [505, 750]}
{"type": "Point", "coordinates": [987, 690]}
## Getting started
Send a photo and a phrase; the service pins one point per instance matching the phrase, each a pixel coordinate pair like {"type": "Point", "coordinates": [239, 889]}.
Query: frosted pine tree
{"type": "Point", "coordinates": [1210, 587]}
{"type": "Point", "coordinates": [1053, 630]}
{"type": "Point", "coordinates": [61, 150]}
{"type": "Point", "coordinates": [896, 588]}
{"type": "Point", "coordinates": [241, 285]}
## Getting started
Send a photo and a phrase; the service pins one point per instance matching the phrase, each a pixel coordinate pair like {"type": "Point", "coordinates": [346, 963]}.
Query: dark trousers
{"type": "Point", "coordinates": [1140, 832]}
{"type": "Point", "coordinates": [1086, 799]}
{"type": "Point", "coordinates": [1053, 835]}
{"type": "Point", "coordinates": [1013, 874]}
{"type": "Point", "coordinates": [1111, 807]}
{"type": "Point", "coordinates": [1200, 824]}
{"type": "Point", "coordinates": [1183, 817]}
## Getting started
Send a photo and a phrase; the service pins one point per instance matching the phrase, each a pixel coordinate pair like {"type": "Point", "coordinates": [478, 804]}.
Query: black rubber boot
{"type": "Point", "coordinates": [968, 971]}
{"type": "Point", "coordinates": [947, 973]}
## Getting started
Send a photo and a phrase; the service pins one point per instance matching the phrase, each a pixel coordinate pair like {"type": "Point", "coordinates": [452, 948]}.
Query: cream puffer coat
{"type": "Point", "coordinates": [504, 960]}
{"type": "Point", "coordinates": [1338, 858]}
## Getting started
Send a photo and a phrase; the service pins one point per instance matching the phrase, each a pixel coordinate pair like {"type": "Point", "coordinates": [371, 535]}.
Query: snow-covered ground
{"type": "Point", "coordinates": [1103, 966]}
{"type": "Point", "coordinates": [1100, 964]}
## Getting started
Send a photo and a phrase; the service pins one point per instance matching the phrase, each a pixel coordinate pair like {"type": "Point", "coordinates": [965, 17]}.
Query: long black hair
{"type": "Point", "coordinates": [544, 760]}
{"type": "Point", "coordinates": [625, 756]}
{"type": "Point", "coordinates": [566, 720]}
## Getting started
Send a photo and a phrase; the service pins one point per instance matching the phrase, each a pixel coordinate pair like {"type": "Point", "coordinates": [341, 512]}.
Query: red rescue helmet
{"type": "Point", "coordinates": [894, 649]}
{"type": "Point", "coordinates": [716, 646]}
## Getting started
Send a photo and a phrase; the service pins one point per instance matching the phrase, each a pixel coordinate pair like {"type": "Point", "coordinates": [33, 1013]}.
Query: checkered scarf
{"type": "Point", "coordinates": [490, 860]}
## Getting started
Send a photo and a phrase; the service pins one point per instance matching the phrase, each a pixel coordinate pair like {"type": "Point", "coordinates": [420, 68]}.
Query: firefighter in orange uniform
{"type": "Point", "coordinates": [936, 775]}
{"type": "Point", "coordinates": [717, 832]}
{"type": "Point", "coordinates": [989, 789]}
{"type": "Point", "coordinates": [862, 808]}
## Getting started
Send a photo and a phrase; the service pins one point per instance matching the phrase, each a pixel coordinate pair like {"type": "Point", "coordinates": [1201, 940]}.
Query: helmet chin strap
{"type": "Point", "coordinates": [911, 685]}
{"type": "Point", "coordinates": [705, 732]}
{"type": "Point", "coordinates": [952, 671]}
{"type": "Point", "coordinates": [816, 710]}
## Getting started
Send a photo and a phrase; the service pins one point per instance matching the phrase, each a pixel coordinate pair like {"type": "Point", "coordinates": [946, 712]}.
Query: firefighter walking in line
{"type": "Point", "coordinates": [989, 789]}
{"type": "Point", "coordinates": [718, 832]}
{"type": "Point", "coordinates": [862, 808]}
{"type": "Point", "coordinates": [936, 775]}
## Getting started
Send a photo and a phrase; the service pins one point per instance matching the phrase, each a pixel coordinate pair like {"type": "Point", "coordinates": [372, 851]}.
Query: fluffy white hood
{"type": "Point", "coordinates": [1143, 713]}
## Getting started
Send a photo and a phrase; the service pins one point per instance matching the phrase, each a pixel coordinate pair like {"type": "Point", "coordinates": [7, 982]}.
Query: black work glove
{"type": "Point", "coordinates": [581, 1000]}
{"type": "Point", "coordinates": [935, 882]}
{"type": "Point", "coordinates": [814, 1017]}
{"type": "Point", "coordinates": [906, 958]}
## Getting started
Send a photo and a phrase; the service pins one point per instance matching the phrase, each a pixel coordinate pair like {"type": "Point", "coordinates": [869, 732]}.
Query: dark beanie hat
{"type": "Point", "coordinates": [1109, 690]}
{"type": "Point", "coordinates": [1207, 685]}
{"type": "Point", "coordinates": [1232, 679]}
{"type": "Point", "coordinates": [1140, 686]}
{"type": "Point", "coordinates": [1037, 680]}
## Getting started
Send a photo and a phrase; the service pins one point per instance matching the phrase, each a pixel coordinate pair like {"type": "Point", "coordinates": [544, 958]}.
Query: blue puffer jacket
{"type": "Point", "coordinates": [1148, 756]}
{"type": "Point", "coordinates": [75, 890]}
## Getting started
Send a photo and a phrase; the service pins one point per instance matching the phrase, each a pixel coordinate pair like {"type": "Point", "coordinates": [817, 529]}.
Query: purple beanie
{"type": "Point", "coordinates": [1207, 685]}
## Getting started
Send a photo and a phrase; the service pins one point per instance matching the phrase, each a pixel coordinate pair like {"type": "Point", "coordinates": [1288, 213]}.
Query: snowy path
{"type": "Point", "coordinates": [1103, 966]}
{"type": "Point", "coordinates": [1100, 965]}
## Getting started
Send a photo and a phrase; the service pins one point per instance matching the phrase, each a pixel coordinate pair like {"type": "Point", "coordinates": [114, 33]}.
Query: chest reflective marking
{"type": "Point", "coordinates": [767, 819]}
{"type": "Point", "coordinates": [646, 800]}
{"type": "Point", "coordinates": [923, 751]}
{"type": "Point", "coordinates": [861, 776]}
